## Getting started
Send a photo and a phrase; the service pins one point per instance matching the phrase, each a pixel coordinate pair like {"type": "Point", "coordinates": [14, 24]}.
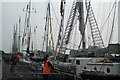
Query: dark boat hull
{"type": "Point", "coordinates": [99, 77]}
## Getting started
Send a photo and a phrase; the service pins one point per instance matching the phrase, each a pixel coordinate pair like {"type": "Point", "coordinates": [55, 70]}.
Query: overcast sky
{"type": "Point", "coordinates": [0, 25]}
{"type": "Point", "coordinates": [10, 10]}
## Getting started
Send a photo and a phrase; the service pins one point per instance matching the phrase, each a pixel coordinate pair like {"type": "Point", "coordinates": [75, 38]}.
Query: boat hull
{"type": "Point", "coordinates": [99, 77]}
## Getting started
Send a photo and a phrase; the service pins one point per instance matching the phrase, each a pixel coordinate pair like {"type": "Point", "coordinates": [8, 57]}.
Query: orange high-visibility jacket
{"type": "Point", "coordinates": [46, 68]}
{"type": "Point", "coordinates": [17, 58]}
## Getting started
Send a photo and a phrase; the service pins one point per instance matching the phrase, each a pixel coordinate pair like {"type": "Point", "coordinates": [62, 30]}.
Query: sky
{"type": "Point", "coordinates": [0, 25]}
{"type": "Point", "coordinates": [11, 10]}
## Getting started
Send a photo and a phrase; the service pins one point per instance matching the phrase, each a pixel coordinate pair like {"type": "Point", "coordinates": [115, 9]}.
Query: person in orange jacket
{"type": "Point", "coordinates": [47, 67]}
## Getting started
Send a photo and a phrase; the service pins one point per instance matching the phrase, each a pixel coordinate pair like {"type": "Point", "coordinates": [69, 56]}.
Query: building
{"type": "Point", "coordinates": [114, 48]}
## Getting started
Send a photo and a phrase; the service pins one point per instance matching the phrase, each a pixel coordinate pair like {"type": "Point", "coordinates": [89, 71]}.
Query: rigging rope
{"type": "Point", "coordinates": [46, 18]}
{"type": "Point", "coordinates": [111, 30]}
{"type": "Point", "coordinates": [55, 15]}
{"type": "Point", "coordinates": [74, 25]}
{"type": "Point", "coordinates": [75, 34]}
{"type": "Point", "coordinates": [112, 24]}
{"type": "Point", "coordinates": [51, 32]}
{"type": "Point", "coordinates": [43, 42]}
{"type": "Point", "coordinates": [108, 27]}
{"type": "Point", "coordinates": [107, 17]}
{"type": "Point", "coordinates": [99, 11]}
{"type": "Point", "coordinates": [73, 44]}
{"type": "Point", "coordinates": [102, 14]}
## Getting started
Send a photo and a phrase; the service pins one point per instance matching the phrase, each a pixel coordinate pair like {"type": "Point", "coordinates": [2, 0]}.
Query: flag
{"type": "Point", "coordinates": [62, 7]}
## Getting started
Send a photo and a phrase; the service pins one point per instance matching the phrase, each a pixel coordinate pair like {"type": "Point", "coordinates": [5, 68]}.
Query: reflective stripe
{"type": "Point", "coordinates": [47, 69]}
{"type": "Point", "coordinates": [46, 66]}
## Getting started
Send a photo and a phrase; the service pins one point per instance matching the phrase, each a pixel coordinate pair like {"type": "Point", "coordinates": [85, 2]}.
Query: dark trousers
{"type": "Point", "coordinates": [49, 77]}
{"type": "Point", "coordinates": [45, 76]}
{"type": "Point", "coordinates": [12, 69]}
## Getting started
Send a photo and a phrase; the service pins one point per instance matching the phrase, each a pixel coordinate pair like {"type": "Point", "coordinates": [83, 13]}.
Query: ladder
{"type": "Point", "coordinates": [68, 29]}
{"type": "Point", "coordinates": [96, 35]}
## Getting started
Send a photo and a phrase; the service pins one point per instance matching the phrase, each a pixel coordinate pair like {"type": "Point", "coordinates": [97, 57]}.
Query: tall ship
{"type": "Point", "coordinates": [96, 61]}
{"type": "Point", "coordinates": [72, 54]}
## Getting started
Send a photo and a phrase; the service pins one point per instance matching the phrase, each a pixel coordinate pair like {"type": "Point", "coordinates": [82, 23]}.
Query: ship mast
{"type": "Point", "coordinates": [28, 27]}
{"type": "Point", "coordinates": [46, 34]}
{"type": "Point", "coordinates": [81, 22]}
{"type": "Point", "coordinates": [19, 35]}
{"type": "Point", "coordinates": [14, 45]}
{"type": "Point", "coordinates": [60, 34]}
{"type": "Point", "coordinates": [29, 10]}
{"type": "Point", "coordinates": [48, 28]}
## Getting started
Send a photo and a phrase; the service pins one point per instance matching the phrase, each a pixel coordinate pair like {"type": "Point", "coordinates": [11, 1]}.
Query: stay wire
{"type": "Point", "coordinates": [55, 14]}
{"type": "Point", "coordinates": [108, 26]}
{"type": "Point", "coordinates": [112, 24]}
{"type": "Point", "coordinates": [107, 17]}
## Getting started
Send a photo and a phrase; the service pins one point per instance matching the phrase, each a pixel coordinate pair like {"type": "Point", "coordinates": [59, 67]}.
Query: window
{"type": "Point", "coordinates": [69, 61]}
{"type": "Point", "coordinates": [78, 62]}
{"type": "Point", "coordinates": [108, 70]}
{"type": "Point", "coordinates": [95, 68]}
{"type": "Point", "coordinates": [85, 68]}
